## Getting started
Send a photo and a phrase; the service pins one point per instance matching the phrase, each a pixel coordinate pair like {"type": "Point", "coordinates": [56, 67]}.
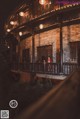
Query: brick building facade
{"type": "Point", "coordinates": [52, 37]}
{"type": "Point", "coordinates": [57, 42]}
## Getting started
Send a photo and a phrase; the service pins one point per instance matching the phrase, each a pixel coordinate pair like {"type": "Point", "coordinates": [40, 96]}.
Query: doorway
{"type": "Point", "coordinates": [26, 56]}
{"type": "Point", "coordinates": [43, 52]}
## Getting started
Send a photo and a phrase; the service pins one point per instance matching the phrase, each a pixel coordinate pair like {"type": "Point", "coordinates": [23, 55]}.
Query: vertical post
{"type": "Point", "coordinates": [33, 50]}
{"type": "Point", "coordinates": [33, 56]}
{"type": "Point", "coordinates": [61, 48]}
{"type": "Point", "coordinates": [18, 53]}
{"type": "Point", "coordinates": [11, 54]}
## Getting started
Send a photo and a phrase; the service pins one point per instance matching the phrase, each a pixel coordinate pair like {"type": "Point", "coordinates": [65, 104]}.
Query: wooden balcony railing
{"type": "Point", "coordinates": [47, 68]}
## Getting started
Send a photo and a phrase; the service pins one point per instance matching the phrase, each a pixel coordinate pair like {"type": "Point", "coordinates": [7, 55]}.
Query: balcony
{"type": "Point", "coordinates": [47, 68]}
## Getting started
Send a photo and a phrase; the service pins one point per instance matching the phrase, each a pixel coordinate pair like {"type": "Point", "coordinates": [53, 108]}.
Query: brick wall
{"type": "Point", "coordinates": [70, 34]}
{"type": "Point", "coordinates": [27, 43]}
{"type": "Point", "coordinates": [52, 37]}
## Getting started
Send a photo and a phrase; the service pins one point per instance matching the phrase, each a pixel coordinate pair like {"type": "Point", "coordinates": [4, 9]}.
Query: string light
{"type": "Point", "coordinates": [41, 26]}
{"type": "Point", "coordinates": [8, 30]}
{"type": "Point", "coordinates": [12, 22]}
{"type": "Point", "coordinates": [20, 33]}
{"type": "Point", "coordinates": [50, 3]}
{"type": "Point", "coordinates": [21, 14]}
{"type": "Point", "coordinates": [8, 46]}
{"type": "Point", "coordinates": [43, 2]}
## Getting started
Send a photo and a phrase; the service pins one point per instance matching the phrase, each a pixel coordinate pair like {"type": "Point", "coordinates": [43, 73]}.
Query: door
{"type": "Point", "coordinates": [26, 56]}
{"type": "Point", "coordinates": [43, 52]}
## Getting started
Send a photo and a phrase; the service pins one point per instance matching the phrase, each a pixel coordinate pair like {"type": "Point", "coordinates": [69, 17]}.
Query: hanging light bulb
{"type": "Point", "coordinates": [20, 33]}
{"type": "Point", "coordinates": [8, 46]}
{"type": "Point", "coordinates": [41, 26]}
{"type": "Point", "coordinates": [8, 30]}
{"type": "Point", "coordinates": [21, 14]}
{"type": "Point", "coordinates": [12, 22]}
{"type": "Point", "coordinates": [50, 3]}
{"type": "Point", "coordinates": [43, 2]}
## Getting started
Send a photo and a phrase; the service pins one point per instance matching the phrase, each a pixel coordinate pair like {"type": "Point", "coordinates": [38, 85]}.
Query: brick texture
{"type": "Point", "coordinates": [70, 34]}
{"type": "Point", "coordinates": [52, 37]}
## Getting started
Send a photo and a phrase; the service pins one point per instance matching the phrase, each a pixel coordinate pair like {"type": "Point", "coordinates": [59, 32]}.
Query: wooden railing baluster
{"type": "Point", "coordinates": [48, 68]}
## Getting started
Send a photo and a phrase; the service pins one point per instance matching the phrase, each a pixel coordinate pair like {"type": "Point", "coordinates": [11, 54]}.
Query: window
{"type": "Point", "coordinates": [43, 52]}
{"type": "Point", "coordinates": [73, 50]}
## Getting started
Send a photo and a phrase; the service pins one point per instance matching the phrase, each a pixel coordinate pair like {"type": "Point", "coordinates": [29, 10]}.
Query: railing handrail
{"type": "Point", "coordinates": [49, 68]}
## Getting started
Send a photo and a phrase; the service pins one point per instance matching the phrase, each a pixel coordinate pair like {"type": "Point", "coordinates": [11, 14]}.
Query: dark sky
{"type": "Point", "coordinates": [6, 7]}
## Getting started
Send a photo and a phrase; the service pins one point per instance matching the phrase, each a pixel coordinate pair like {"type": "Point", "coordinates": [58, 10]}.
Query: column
{"type": "Point", "coordinates": [33, 48]}
{"type": "Point", "coordinates": [61, 49]}
{"type": "Point", "coordinates": [33, 52]}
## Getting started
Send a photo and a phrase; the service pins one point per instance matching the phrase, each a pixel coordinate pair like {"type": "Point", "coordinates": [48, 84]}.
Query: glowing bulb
{"type": "Point", "coordinates": [67, 5]}
{"type": "Point", "coordinates": [42, 2]}
{"type": "Point", "coordinates": [64, 6]}
{"type": "Point", "coordinates": [41, 26]}
{"type": "Point", "coordinates": [74, 4]}
{"type": "Point", "coordinates": [70, 5]}
{"type": "Point", "coordinates": [50, 3]}
{"type": "Point", "coordinates": [8, 30]}
{"type": "Point", "coordinates": [56, 9]}
{"type": "Point", "coordinates": [12, 22]}
{"type": "Point", "coordinates": [20, 34]}
{"type": "Point", "coordinates": [8, 47]}
{"type": "Point", "coordinates": [21, 14]}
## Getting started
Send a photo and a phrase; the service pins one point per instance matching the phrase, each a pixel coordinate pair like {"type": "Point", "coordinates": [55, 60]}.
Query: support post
{"type": "Point", "coordinates": [18, 53]}
{"type": "Point", "coordinates": [33, 50]}
{"type": "Point", "coordinates": [33, 57]}
{"type": "Point", "coordinates": [61, 49]}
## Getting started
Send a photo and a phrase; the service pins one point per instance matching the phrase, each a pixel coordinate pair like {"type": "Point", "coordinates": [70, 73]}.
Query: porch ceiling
{"type": "Point", "coordinates": [48, 18]}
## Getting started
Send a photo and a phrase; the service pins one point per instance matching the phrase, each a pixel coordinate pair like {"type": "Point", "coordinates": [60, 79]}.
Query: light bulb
{"type": "Point", "coordinates": [41, 26]}
{"type": "Point", "coordinates": [12, 22]}
{"type": "Point", "coordinates": [8, 30]}
{"type": "Point", "coordinates": [20, 34]}
{"type": "Point", "coordinates": [21, 14]}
